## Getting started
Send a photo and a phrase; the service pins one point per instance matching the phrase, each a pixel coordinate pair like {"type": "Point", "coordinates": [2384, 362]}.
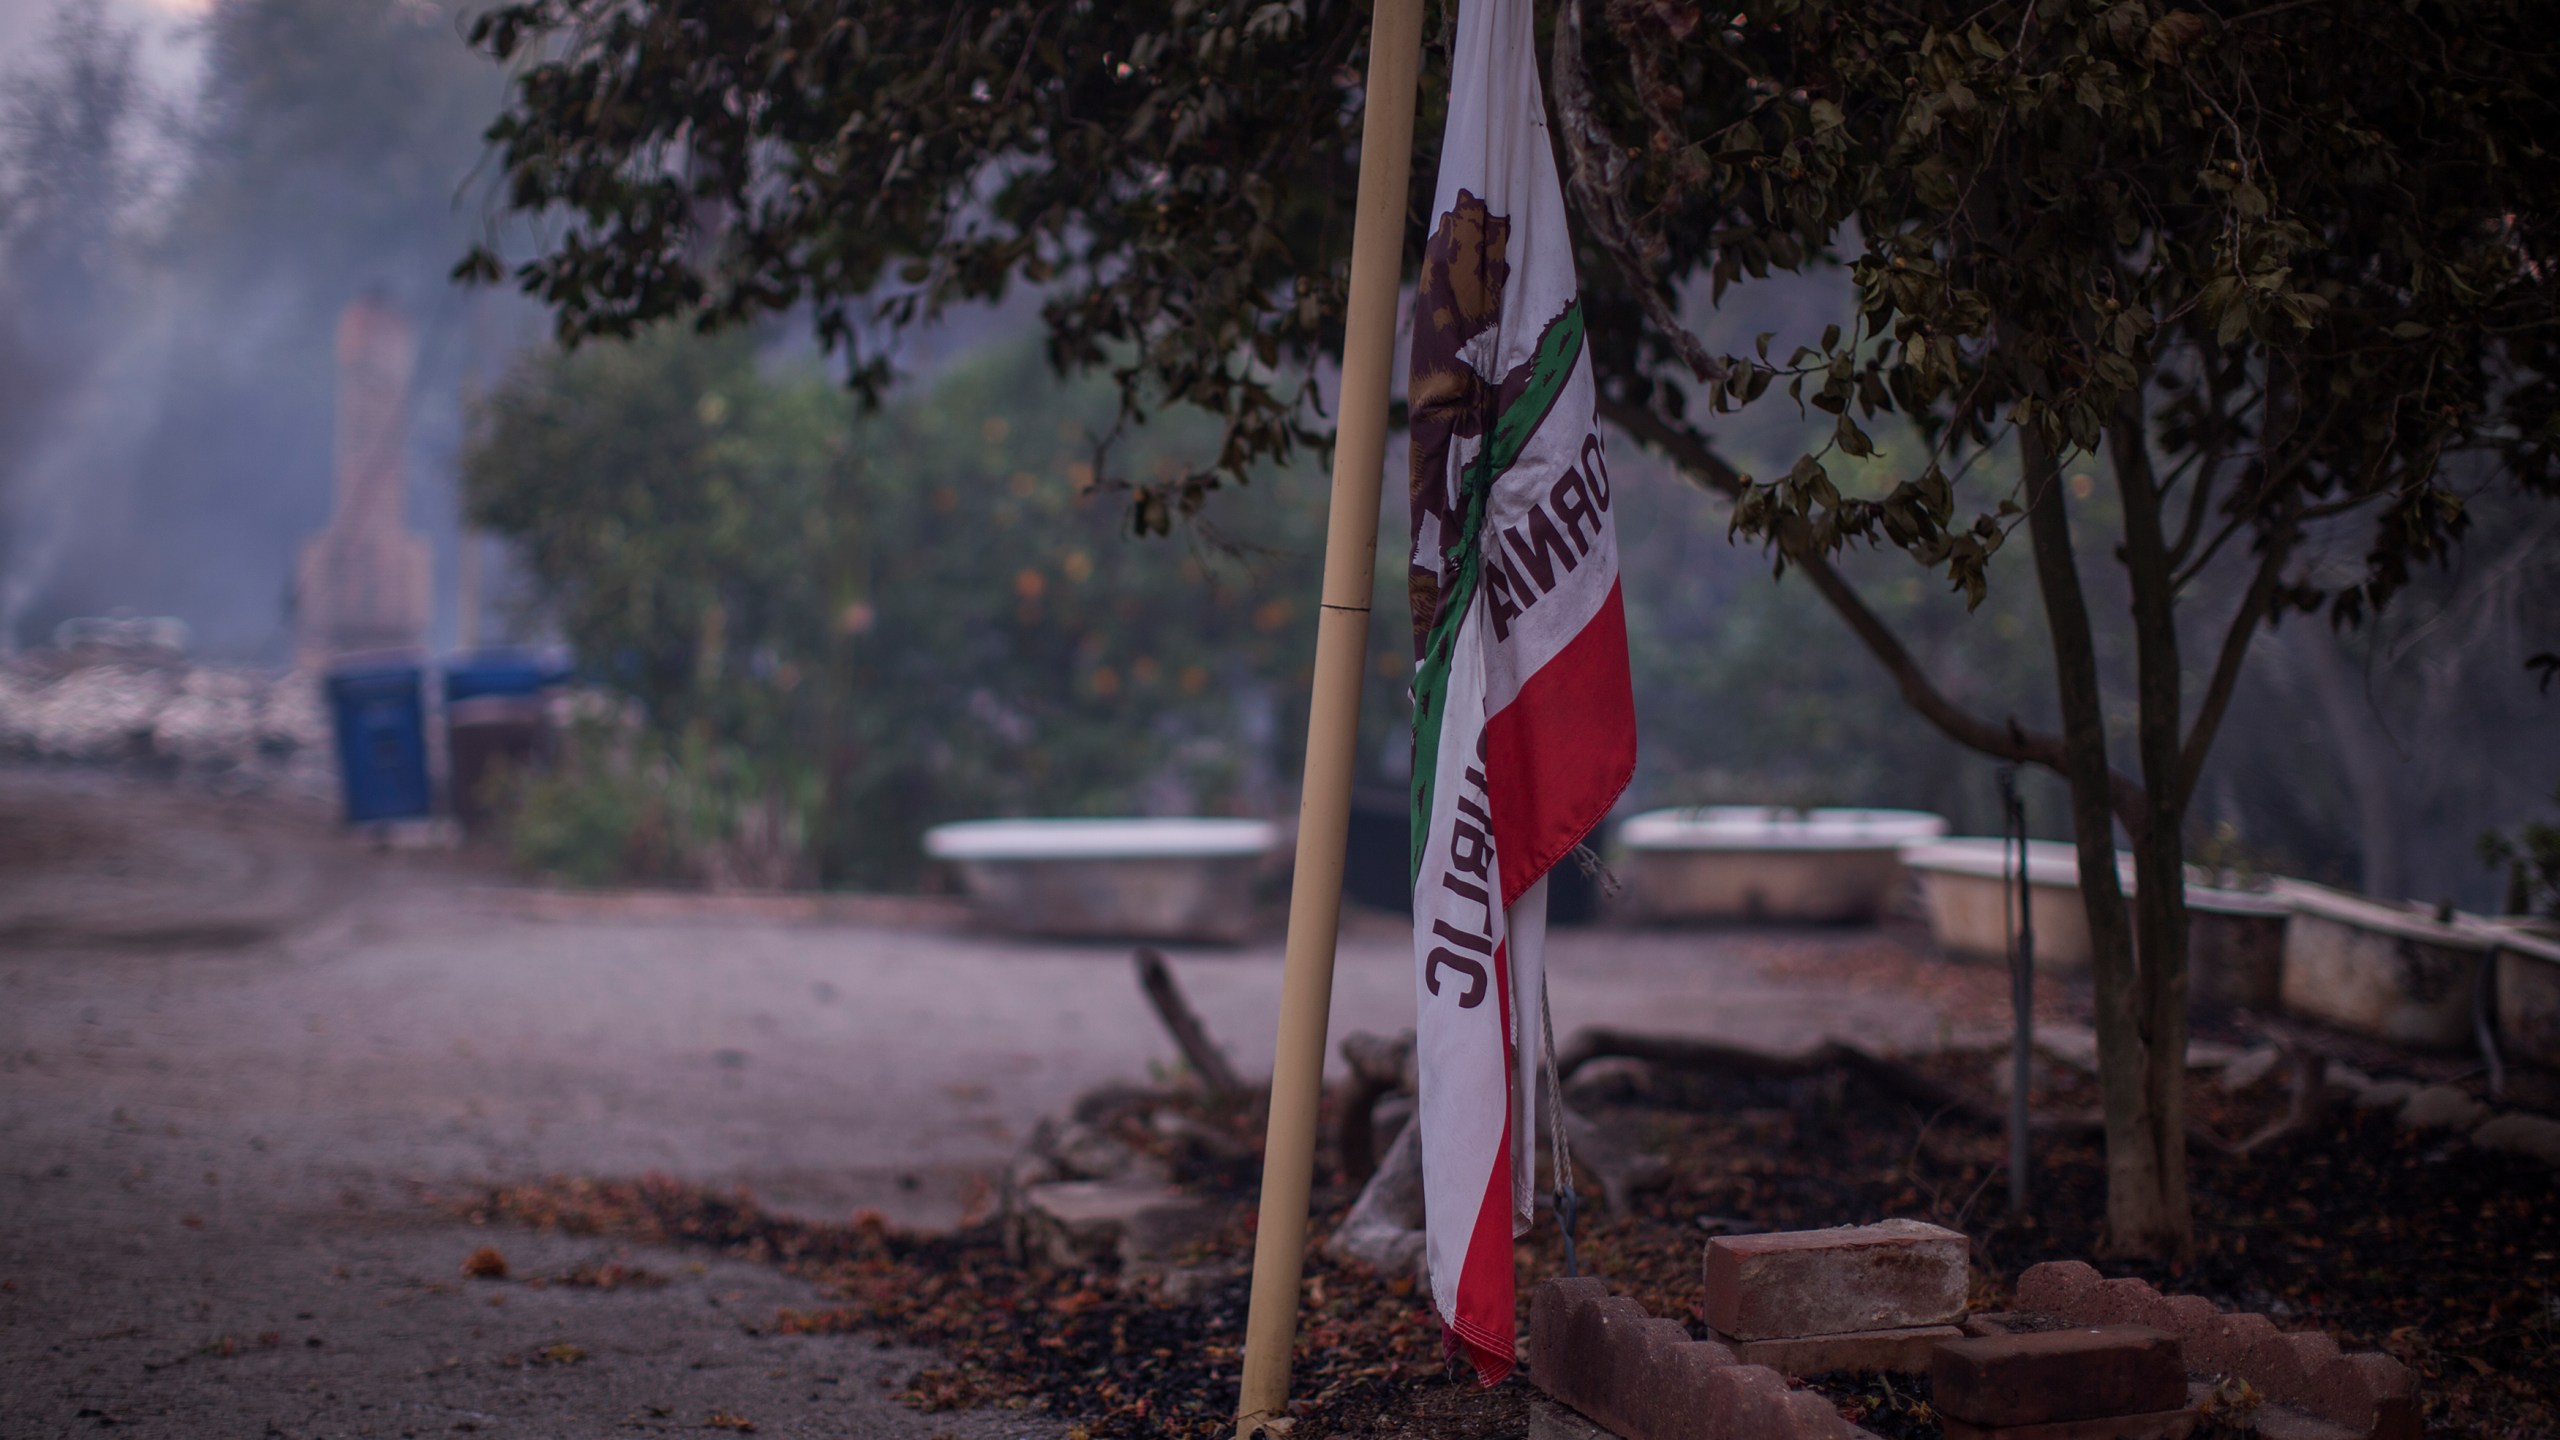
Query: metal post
{"type": "Point", "coordinates": [1333, 719]}
{"type": "Point", "coordinates": [2022, 991]}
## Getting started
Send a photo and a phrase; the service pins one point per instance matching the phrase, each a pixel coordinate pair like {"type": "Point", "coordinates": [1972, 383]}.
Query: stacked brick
{"type": "Point", "coordinates": [1864, 1297]}
{"type": "Point", "coordinates": [2103, 1382]}
{"type": "Point", "coordinates": [2314, 1391]}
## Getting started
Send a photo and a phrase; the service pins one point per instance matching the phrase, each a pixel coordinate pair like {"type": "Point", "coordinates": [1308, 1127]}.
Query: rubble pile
{"type": "Point", "coordinates": [1144, 1183]}
{"type": "Point", "coordinates": [123, 706]}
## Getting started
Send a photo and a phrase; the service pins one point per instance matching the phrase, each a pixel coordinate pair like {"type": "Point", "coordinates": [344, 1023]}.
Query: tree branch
{"type": "Point", "coordinates": [2226, 666]}
{"type": "Point", "coordinates": [1595, 166]}
{"type": "Point", "coordinates": [2213, 547]}
{"type": "Point", "coordinates": [2208, 469]}
{"type": "Point", "coordinates": [2208, 474]}
{"type": "Point", "coordinates": [2011, 742]}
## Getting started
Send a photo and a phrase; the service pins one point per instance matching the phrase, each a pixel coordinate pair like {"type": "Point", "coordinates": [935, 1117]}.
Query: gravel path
{"type": "Point", "coordinates": [211, 1134]}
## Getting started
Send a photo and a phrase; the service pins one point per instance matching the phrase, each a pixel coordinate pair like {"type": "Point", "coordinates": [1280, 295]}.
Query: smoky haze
{"type": "Point", "coordinates": [176, 259]}
{"type": "Point", "coordinates": [190, 196]}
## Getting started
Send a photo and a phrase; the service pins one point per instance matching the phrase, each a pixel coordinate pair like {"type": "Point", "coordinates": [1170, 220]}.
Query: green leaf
{"type": "Point", "coordinates": [2233, 325]}
{"type": "Point", "coordinates": [2171, 36]}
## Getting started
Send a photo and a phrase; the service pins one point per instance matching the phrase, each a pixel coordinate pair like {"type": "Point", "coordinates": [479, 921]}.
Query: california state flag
{"type": "Point", "coordinates": [1523, 725]}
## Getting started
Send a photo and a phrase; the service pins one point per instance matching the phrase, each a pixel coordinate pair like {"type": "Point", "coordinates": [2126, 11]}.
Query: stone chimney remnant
{"type": "Point", "coordinates": [365, 583]}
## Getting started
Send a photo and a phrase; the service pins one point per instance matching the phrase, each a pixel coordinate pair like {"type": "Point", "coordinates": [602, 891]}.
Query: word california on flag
{"type": "Point", "coordinates": [1524, 724]}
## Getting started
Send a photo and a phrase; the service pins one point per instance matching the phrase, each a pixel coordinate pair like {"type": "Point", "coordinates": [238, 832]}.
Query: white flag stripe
{"type": "Point", "coordinates": [1524, 727]}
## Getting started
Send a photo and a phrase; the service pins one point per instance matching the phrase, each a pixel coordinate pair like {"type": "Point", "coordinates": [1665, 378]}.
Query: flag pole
{"type": "Point", "coordinates": [1333, 717]}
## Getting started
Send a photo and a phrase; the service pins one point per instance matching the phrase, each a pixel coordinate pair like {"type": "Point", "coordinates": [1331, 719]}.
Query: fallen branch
{"type": "Point", "coordinates": [1885, 1073]}
{"type": "Point", "coordinates": [2309, 1103]}
{"type": "Point", "coordinates": [1384, 1229]}
{"type": "Point", "coordinates": [1679, 1052]}
{"type": "Point", "coordinates": [1379, 1067]}
{"type": "Point", "coordinates": [1199, 1051]}
{"type": "Point", "coordinates": [1621, 1171]}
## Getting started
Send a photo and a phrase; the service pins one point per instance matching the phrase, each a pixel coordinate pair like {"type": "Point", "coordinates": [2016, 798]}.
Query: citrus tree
{"type": "Point", "coordinates": [853, 625]}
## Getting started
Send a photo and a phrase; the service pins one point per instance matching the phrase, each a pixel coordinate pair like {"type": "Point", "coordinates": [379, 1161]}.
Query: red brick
{"type": "Point", "coordinates": [2281, 1366]}
{"type": "Point", "coordinates": [1702, 1356]}
{"type": "Point", "coordinates": [2159, 1425]}
{"type": "Point", "coordinates": [1828, 1282]}
{"type": "Point", "coordinates": [1671, 1401]}
{"type": "Point", "coordinates": [1577, 1380]}
{"type": "Point", "coordinates": [2056, 1288]}
{"type": "Point", "coordinates": [2185, 1316]}
{"type": "Point", "coordinates": [1552, 1310]}
{"type": "Point", "coordinates": [1745, 1402]}
{"type": "Point", "coordinates": [2370, 1392]}
{"type": "Point", "coordinates": [2082, 1373]}
{"type": "Point", "coordinates": [2118, 1302]}
{"type": "Point", "coordinates": [1627, 1372]}
{"type": "Point", "coordinates": [1606, 1329]}
{"type": "Point", "coordinates": [2217, 1349]}
{"type": "Point", "coordinates": [1809, 1416]}
{"type": "Point", "coordinates": [1904, 1351]}
{"type": "Point", "coordinates": [1557, 1356]}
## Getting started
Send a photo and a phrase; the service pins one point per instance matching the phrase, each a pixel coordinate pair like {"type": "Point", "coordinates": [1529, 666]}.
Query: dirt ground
{"type": "Point", "coordinates": [242, 1055]}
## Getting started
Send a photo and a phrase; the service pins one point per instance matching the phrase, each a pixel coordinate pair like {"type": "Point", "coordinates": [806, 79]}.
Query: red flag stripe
{"type": "Point", "coordinates": [1484, 1317]}
{"type": "Point", "coordinates": [1486, 1314]}
{"type": "Point", "coordinates": [1558, 756]}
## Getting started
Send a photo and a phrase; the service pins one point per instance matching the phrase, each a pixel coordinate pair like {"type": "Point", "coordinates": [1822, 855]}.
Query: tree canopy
{"type": "Point", "coordinates": [2359, 189]}
{"type": "Point", "coordinates": [2285, 272]}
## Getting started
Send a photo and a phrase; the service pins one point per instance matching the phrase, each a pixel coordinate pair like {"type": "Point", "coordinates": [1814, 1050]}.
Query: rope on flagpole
{"type": "Point", "coordinates": [1559, 1153]}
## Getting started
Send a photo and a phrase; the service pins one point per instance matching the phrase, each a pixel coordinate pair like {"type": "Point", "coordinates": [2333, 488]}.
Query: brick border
{"type": "Point", "coordinates": [1645, 1379]}
{"type": "Point", "coordinates": [2368, 1392]}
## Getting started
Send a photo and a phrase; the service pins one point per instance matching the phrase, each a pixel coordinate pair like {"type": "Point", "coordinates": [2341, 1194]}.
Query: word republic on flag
{"type": "Point", "coordinates": [1524, 722]}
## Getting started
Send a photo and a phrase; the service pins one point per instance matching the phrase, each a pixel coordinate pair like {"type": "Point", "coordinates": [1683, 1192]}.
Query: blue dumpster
{"type": "Point", "coordinates": [380, 717]}
{"type": "Point", "coordinates": [495, 727]}
{"type": "Point", "coordinates": [500, 672]}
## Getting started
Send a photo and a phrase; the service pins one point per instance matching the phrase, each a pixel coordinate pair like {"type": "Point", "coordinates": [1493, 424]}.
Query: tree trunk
{"type": "Point", "coordinates": [2165, 1225]}
{"type": "Point", "coordinates": [2145, 1215]}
